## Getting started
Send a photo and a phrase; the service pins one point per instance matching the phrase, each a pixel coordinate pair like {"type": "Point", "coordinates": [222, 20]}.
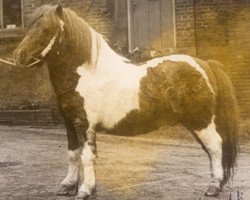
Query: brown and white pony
{"type": "Point", "coordinates": [95, 87]}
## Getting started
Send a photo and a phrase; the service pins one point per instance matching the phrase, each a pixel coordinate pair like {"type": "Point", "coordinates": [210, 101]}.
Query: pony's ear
{"type": "Point", "coordinates": [59, 11]}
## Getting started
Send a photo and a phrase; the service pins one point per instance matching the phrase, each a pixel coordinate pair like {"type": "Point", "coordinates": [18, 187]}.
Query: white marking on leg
{"type": "Point", "coordinates": [213, 142]}
{"type": "Point", "coordinates": [89, 182]}
{"type": "Point", "coordinates": [73, 168]}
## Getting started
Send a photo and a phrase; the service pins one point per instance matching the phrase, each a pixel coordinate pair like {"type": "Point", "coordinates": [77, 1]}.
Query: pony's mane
{"type": "Point", "coordinates": [77, 31]}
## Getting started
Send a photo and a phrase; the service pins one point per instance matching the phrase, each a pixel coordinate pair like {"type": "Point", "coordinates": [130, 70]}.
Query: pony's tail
{"type": "Point", "coordinates": [226, 120]}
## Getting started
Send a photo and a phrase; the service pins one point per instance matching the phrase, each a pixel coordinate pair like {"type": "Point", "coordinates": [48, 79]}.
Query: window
{"type": "Point", "coordinates": [10, 14]}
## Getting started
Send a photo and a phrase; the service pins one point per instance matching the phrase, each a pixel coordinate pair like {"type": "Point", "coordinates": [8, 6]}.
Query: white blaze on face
{"type": "Point", "coordinates": [73, 168]}
{"type": "Point", "coordinates": [213, 142]}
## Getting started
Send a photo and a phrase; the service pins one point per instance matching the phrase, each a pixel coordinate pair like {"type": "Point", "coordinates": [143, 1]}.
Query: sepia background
{"type": "Point", "coordinates": [139, 30]}
{"type": "Point", "coordinates": [208, 29]}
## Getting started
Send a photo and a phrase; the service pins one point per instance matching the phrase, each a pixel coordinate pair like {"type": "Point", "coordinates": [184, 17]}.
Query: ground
{"type": "Point", "coordinates": [150, 167]}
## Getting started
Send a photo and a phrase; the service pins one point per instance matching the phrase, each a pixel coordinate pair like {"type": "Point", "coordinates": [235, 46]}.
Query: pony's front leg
{"type": "Point", "coordinates": [69, 185]}
{"type": "Point", "coordinates": [88, 156]}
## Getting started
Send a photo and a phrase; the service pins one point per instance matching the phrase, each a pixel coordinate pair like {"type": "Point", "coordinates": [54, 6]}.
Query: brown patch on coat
{"type": "Point", "coordinates": [171, 93]}
{"type": "Point", "coordinates": [178, 89]}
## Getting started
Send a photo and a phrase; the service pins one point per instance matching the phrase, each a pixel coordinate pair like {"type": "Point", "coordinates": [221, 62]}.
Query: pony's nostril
{"type": "Point", "coordinates": [20, 57]}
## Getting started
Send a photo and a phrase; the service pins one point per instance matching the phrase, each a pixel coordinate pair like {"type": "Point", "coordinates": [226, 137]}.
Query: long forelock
{"type": "Point", "coordinates": [78, 31]}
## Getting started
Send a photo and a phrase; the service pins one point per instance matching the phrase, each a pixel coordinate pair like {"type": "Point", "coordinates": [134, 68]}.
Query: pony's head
{"type": "Point", "coordinates": [54, 35]}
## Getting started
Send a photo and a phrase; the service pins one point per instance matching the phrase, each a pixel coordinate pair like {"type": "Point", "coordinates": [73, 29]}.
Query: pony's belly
{"type": "Point", "coordinates": [141, 122]}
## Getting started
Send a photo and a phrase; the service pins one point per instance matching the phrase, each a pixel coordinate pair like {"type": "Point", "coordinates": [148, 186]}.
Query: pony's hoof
{"type": "Point", "coordinates": [67, 190]}
{"type": "Point", "coordinates": [82, 197]}
{"type": "Point", "coordinates": [212, 191]}
{"type": "Point", "coordinates": [85, 196]}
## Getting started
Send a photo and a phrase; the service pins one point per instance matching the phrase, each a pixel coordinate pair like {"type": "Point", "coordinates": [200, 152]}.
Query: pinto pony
{"type": "Point", "coordinates": [95, 87]}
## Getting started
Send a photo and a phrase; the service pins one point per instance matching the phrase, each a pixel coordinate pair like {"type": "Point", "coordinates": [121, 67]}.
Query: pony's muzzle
{"type": "Point", "coordinates": [22, 58]}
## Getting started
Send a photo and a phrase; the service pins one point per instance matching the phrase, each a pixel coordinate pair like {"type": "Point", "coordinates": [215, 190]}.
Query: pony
{"type": "Point", "coordinates": [97, 88]}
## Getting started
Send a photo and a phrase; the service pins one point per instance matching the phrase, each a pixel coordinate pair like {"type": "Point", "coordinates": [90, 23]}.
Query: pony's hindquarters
{"type": "Point", "coordinates": [202, 99]}
{"type": "Point", "coordinates": [177, 90]}
{"type": "Point", "coordinates": [219, 138]}
{"type": "Point", "coordinates": [226, 120]}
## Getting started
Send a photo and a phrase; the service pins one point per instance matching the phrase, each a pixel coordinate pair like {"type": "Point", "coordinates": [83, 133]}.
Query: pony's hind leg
{"type": "Point", "coordinates": [213, 144]}
{"type": "Point", "coordinates": [88, 156]}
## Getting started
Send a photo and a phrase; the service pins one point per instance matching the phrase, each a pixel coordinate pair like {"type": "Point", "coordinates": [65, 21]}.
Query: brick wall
{"type": "Point", "coordinates": [239, 52]}
{"type": "Point", "coordinates": [218, 29]}
{"type": "Point", "coordinates": [184, 12]}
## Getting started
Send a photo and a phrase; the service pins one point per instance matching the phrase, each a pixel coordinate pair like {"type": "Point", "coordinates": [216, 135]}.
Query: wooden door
{"type": "Point", "coordinates": [155, 23]}
{"type": "Point", "coordinates": [152, 24]}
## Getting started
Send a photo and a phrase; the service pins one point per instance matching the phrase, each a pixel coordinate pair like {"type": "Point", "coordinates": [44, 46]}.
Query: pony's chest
{"type": "Point", "coordinates": [108, 99]}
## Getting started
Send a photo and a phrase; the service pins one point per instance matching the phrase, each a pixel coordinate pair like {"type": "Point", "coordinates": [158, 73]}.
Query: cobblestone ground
{"type": "Point", "coordinates": [156, 166]}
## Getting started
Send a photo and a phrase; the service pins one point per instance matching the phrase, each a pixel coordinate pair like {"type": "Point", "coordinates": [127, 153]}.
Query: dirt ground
{"type": "Point", "coordinates": [155, 166]}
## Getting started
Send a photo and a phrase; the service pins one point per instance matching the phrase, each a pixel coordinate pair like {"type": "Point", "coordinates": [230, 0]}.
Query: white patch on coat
{"type": "Point", "coordinates": [111, 89]}
{"type": "Point", "coordinates": [191, 61]}
{"type": "Point", "coordinates": [182, 58]}
{"type": "Point", "coordinates": [155, 62]}
{"type": "Point", "coordinates": [110, 86]}
{"type": "Point", "coordinates": [213, 142]}
{"type": "Point", "coordinates": [88, 158]}
{"type": "Point", "coordinates": [73, 168]}
{"type": "Point", "coordinates": [49, 46]}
